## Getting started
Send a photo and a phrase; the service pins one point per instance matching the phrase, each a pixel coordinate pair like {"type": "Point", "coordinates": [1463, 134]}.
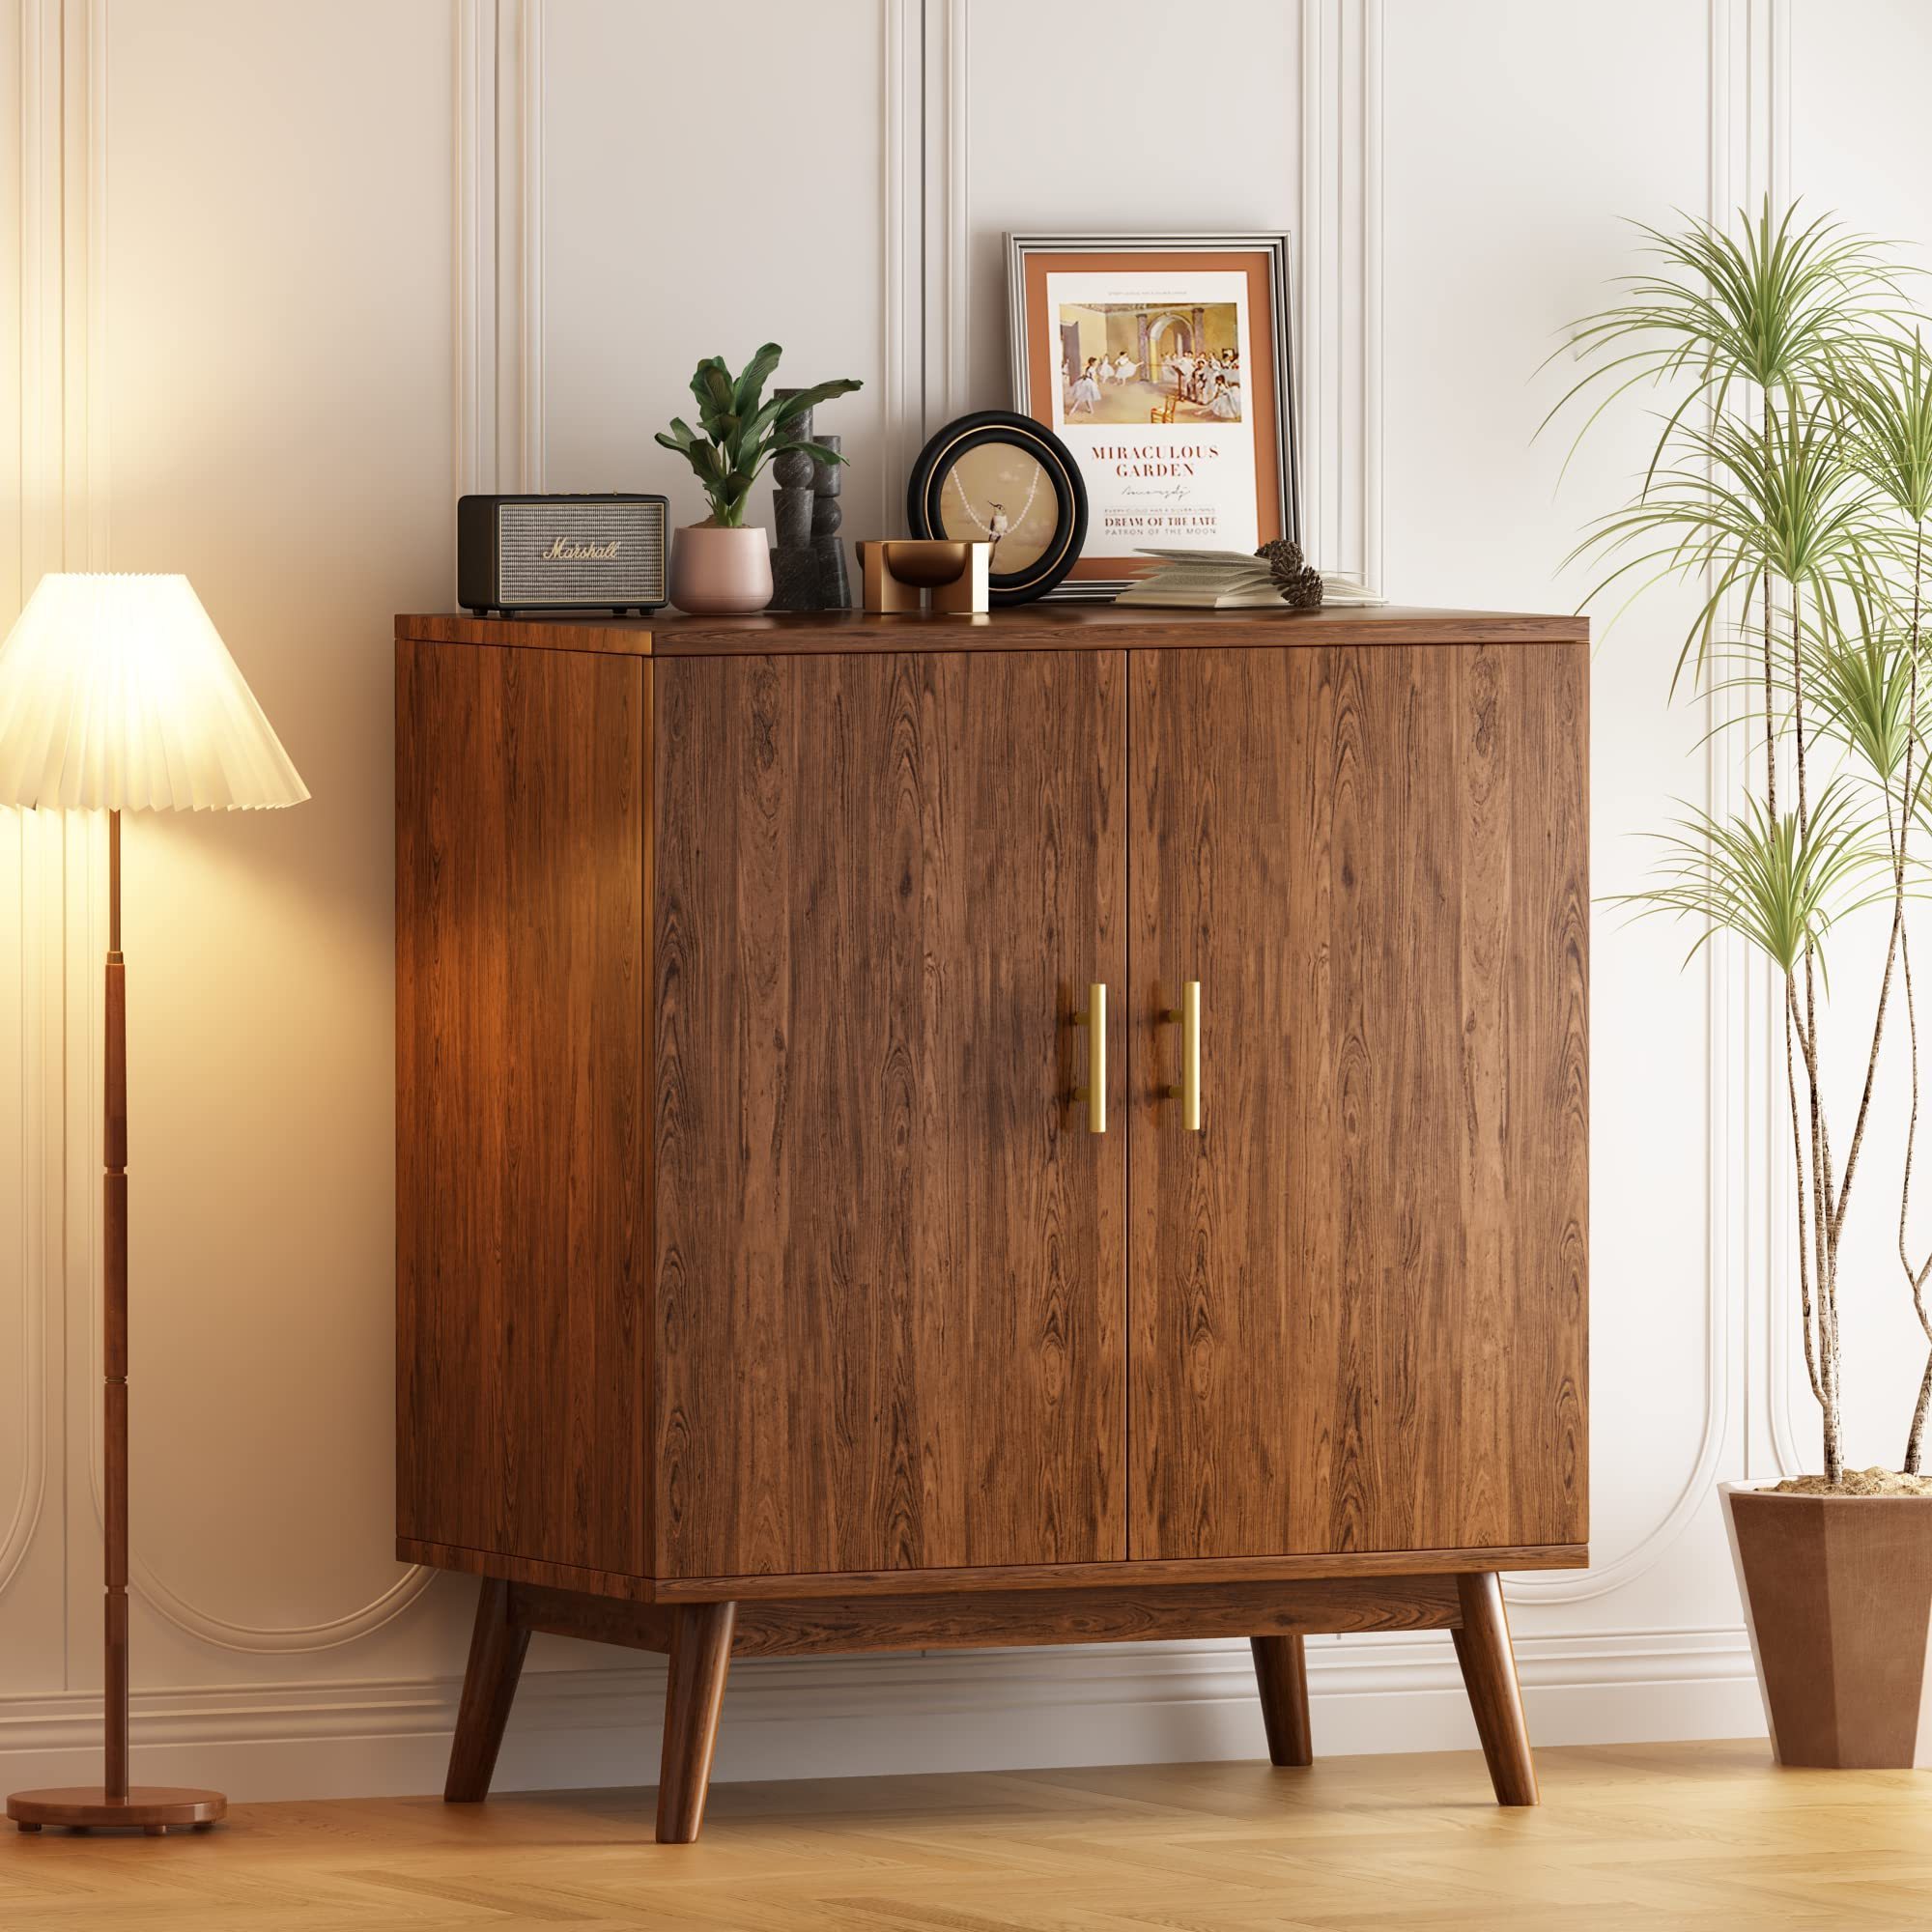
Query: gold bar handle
{"type": "Point", "coordinates": [1188, 1093]}
{"type": "Point", "coordinates": [1094, 1093]}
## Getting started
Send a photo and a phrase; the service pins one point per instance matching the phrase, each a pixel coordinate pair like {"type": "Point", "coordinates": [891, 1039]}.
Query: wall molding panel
{"type": "Point", "coordinates": [1337, 261]}
{"type": "Point", "coordinates": [27, 858]}
{"type": "Point", "coordinates": [1747, 107]}
{"type": "Point", "coordinates": [1756, 36]}
{"type": "Point", "coordinates": [927, 214]}
{"type": "Point", "coordinates": [85, 498]}
{"type": "Point", "coordinates": [33, 857]}
{"type": "Point", "coordinates": [498, 254]}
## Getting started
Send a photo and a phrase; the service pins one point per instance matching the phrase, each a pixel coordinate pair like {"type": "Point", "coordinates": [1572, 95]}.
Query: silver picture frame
{"type": "Point", "coordinates": [1276, 245]}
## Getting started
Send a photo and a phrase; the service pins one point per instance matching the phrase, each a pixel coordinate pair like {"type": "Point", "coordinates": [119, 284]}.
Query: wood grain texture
{"type": "Point", "coordinates": [154, 1809]}
{"type": "Point", "coordinates": [1126, 1572]}
{"type": "Point", "coordinates": [1358, 1316]}
{"type": "Point", "coordinates": [523, 1116]}
{"type": "Point", "coordinates": [1281, 1676]}
{"type": "Point", "coordinates": [1047, 626]}
{"type": "Point", "coordinates": [1668, 1837]}
{"type": "Point", "coordinates": [498, 1645]}
{"type": "Point", "coordinates": [890, 1258]}
{"type": "Point", "coordinates": [593, 1619]}
{"type": "Point", "coordinates": [616, 636]}
{"type": "Point", "coordinates": [993, 1577]}
{"type": "Point", "coordinates": [1108, 1614]}
{"type": "Point", "coordinates": [1489, 1674]}
{"type": "Point", "coordinates": [700, 1658]}
{"type": "Point", "coordinates": [616, 1583]}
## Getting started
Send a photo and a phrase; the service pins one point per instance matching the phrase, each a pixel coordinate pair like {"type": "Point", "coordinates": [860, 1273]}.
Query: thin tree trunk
{"type": "Point", "coordinates": [1804, 1309]}
{"type": "Point", "coordinates": [1914, 1439]}
{"type": "Point", "coordinates": [1824, 1192]}
{"type": "Point", "coordinates": [1820, 1187]}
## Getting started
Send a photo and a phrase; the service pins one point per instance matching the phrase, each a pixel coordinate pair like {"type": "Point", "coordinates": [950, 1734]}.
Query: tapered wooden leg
{"type": "Point", "coordinates": [1281, 1672]}
{"type": "Point", "coordinates": [1489, 1673]}
{"type": "Point", "coordinates": [700, 1655]}
{"type": "Point", "coordinates": [496, 1647]}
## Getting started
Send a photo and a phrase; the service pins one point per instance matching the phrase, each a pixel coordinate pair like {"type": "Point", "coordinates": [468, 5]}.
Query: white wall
{"type": "Point", "coordinates": [290, 276]}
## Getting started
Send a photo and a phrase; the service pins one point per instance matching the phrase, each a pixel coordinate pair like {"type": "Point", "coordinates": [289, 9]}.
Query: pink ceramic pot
{"type": "Point", "coordinates": [721, 573]}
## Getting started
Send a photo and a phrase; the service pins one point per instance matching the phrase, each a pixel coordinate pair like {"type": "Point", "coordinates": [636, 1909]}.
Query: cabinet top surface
{"type": "Point", "coordinates": [1048, 626]}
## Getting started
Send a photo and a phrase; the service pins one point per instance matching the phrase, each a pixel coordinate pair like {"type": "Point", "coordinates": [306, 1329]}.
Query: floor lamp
{"type": "Point", "coordinates": [118, 695]}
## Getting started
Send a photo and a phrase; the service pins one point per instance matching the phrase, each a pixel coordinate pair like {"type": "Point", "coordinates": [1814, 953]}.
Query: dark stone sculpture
{"type": "Point", "coordinates": [834, 585]}
{"type": "Point", "coordinates": [809, 559]}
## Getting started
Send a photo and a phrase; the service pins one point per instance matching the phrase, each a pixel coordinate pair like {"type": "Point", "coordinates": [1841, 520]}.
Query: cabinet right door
{"type": "Point", "coordinates": [1358, 1292]}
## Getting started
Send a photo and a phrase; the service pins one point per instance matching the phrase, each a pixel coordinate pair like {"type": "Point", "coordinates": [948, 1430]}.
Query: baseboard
{"type": "Point", "coordinates": [580, 1726]}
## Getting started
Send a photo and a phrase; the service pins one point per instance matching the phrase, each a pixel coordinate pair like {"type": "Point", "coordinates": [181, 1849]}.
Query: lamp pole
{"type": "Point", "coordinates": [114, 1331]}
{"type": "Point", "coordinates": [155, 1810]}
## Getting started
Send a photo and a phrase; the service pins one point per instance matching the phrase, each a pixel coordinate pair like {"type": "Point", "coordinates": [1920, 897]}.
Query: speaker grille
{"type": "Point", "coordinates": [528, 574]}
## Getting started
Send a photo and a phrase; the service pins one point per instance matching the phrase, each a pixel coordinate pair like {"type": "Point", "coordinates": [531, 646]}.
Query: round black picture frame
{"type": "Point", "coordinates": [936, 462]}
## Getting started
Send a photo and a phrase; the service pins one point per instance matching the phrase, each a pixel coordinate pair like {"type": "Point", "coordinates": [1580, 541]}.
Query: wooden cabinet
{"type": "Point", "coordinates": [763, 1286]}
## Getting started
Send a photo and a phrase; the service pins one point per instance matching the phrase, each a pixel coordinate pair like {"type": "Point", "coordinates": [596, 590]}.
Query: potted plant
{"type": "Point", "coordinates": [1792, 479]}
{"type": "Point", "coordinates": [720, 566]}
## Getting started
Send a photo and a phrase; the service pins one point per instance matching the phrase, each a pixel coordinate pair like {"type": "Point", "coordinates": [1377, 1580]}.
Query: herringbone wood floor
{"type": "Point", "coordinates": [1708, 1835]}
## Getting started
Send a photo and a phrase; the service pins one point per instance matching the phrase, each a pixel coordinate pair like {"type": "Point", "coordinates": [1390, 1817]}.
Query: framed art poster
{"type": "Point", "coordinates": [1162, 361]}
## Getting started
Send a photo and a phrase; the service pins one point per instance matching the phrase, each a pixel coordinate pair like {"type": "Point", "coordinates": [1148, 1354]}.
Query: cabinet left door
{"type": "Point", "coordinates": [890, 1292]}
{"type": "Point", "coordinates": [522, 1247]}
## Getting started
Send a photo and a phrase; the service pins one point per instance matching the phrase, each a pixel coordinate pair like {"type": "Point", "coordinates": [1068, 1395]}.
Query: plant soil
{"type": "Point", "coordinates": [1872, 1482]}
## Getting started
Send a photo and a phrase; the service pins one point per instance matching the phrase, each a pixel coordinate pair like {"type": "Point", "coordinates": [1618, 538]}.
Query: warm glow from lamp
{"type": "Point", "coordinates": [117, 693]}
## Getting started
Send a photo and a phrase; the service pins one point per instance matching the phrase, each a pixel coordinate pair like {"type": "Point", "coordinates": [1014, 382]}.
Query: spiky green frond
{"type": "Point", "coordinates": [1774, 885]}
{"type": "Point", "coordinates": [1745, 502]}
{"type": "Point", "coordinates": [1780, 304]}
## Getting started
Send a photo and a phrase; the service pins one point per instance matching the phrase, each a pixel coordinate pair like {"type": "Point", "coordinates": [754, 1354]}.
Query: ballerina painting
{"type": "Point", "coordinates": [1128, 361]}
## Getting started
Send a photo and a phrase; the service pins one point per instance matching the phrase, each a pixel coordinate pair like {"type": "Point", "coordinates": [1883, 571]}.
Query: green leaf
{"type": "Point", "coordinates": [711, 384]}
{"type": "Point", "coordinates": [817, 451]}
{"type": "Point", "coordinates": [795, 405]}
{"type": "Point", "coordinates": [763, 421]}
{"type": "Point", "coordinates": [750, 385]}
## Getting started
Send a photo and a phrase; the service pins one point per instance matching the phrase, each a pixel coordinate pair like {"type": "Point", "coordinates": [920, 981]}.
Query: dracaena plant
{"type": "Point", "coordinates": [741, 432]}
{"type": "Point", "coordinates": [1791, 481]}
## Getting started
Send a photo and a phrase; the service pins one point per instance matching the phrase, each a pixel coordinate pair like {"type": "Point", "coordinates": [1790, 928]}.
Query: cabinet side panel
{"type": "Point", "coordinates": [890, 1255]}
{"type": "Point", "coordinates": [523, 1229]}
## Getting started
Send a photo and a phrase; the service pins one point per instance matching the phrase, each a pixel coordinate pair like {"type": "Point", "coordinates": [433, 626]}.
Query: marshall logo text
{"type": "Point", "coordinates": [569, 550]}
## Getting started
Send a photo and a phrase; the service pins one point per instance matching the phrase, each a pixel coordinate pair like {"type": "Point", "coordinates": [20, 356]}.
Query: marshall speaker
{"type": "Point", "coordinates": [560, 552]}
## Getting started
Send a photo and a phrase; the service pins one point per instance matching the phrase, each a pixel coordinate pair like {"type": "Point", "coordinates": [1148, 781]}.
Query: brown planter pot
{"type": "Point", "coordinates": [1838, 1598]}
{"type": "Point", "coordinates": [721, 573]}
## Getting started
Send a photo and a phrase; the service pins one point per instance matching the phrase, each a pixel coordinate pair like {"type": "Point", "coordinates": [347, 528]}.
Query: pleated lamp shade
{"type": "Point", "coordinates": [117, 693]}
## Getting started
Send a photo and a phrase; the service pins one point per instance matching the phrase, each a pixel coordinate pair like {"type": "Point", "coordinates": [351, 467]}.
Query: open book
{"type": "Point", "coordinates": [1226, 579]}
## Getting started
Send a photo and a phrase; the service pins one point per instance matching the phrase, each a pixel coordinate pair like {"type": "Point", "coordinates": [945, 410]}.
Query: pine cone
{"type": "Point", "coordinates": [1297, 581]}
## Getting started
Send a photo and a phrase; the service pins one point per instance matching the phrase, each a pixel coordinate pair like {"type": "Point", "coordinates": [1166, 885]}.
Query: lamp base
{"type": "Point", "coordinates": [156, 1809]}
